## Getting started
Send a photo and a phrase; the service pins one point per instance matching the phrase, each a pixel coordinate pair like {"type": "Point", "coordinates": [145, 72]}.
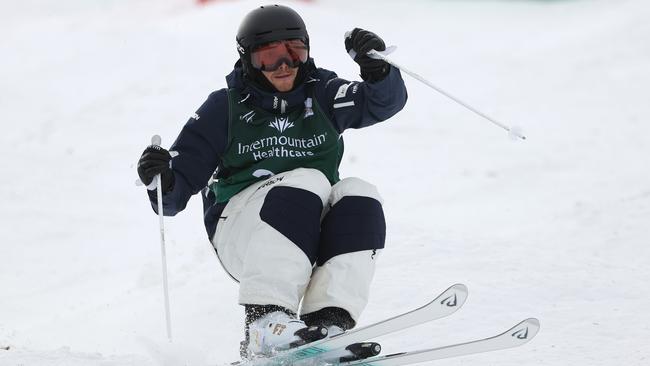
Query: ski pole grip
{"type": "Point", "coordinates": [156, 140]}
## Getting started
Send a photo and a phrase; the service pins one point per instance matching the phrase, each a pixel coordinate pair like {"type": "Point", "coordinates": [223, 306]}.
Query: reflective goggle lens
{"type": "Point", "coordinates": [270, 56]}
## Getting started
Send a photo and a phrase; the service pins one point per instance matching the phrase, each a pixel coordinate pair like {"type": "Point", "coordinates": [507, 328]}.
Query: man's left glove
{"type": "Point", "coordinates": [362, 41]}
{"type": "Point", "coordinates": [155, 160]}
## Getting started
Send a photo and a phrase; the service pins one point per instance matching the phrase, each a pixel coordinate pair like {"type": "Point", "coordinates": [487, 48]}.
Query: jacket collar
{"type": "Point", "coordinates": [275, 102]}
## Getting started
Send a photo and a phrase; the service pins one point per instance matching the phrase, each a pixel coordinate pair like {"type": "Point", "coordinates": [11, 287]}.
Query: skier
{"type": "Point", "coordinates": [265, 153]}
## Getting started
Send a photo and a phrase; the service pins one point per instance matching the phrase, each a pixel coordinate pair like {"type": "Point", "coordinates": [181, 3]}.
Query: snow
{"type": "Point", "coordinates": [555, 226]}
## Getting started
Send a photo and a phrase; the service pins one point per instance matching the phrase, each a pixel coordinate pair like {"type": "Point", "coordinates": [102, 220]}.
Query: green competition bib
{"type": "Point", "coordinates": [261, 144]}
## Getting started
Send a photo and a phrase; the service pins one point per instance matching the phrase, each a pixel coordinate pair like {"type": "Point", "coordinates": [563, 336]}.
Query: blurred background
{"type": "Point", "coordinates": [555, 227]}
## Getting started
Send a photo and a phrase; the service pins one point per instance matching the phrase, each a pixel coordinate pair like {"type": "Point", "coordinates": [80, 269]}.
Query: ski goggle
{"type": "Point", "coordinates": [270, 56]}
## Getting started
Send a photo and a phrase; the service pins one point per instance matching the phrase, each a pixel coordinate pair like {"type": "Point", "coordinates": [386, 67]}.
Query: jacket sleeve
{"type": "Point", "coordinates": [200, 146]}
{"type": "Point", "coordinates": [352, 104]}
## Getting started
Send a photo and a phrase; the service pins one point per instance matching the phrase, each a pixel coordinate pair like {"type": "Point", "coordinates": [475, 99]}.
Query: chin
{"type": "Point", "coordinates": [284, 87]}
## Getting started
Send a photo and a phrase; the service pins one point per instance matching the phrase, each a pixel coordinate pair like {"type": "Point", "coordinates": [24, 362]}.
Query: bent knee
{"type": "Point", "coordinates": [295, 213]}
{"type": "Point", "coordinates": [355, 221]}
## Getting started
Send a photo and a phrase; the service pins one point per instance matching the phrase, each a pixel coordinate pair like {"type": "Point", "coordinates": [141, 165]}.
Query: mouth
{"type": "Point", "coordinates": [282, 76]}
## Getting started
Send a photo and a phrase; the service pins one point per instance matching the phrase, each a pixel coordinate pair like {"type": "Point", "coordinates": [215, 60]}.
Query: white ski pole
{"type": "Point", "coordinates": [514, 132]}
{"type": "Point", "coordinates": [156, 140]}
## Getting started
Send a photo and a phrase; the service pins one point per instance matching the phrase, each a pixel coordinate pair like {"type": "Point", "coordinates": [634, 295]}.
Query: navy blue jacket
{"type": "Point", "coordinates": [204, 137]}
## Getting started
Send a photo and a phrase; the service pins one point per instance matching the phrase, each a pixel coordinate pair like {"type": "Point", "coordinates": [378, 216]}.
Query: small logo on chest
{"type": "Point", "coordinates": [281, 124]}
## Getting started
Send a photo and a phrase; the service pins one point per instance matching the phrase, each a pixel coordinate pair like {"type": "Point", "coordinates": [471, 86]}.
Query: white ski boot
{"type": "Point", "coordinates": [279, 331]}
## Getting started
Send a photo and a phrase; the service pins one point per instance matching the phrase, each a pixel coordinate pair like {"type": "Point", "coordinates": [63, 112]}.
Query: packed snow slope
{"type": "Point", "coordinates": [555, 227]}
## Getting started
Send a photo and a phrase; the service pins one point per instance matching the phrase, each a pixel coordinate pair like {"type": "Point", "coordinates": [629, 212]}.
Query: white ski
{"type": "Point", "coordinates": [443, 305]}
{"type": "Point", "coordinates": [514, 337]}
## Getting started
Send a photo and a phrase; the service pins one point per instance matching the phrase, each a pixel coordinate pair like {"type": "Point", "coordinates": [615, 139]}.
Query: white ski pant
{"type": "Point", "coordinates": [273, 270]}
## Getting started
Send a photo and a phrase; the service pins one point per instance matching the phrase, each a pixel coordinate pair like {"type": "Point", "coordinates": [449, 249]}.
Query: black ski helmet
{"type": "Point", "coordinates": [265, 24]}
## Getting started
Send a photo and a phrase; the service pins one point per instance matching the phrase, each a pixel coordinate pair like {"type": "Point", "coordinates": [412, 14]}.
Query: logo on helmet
{"type": "Point", "coordinates": [241, 49]}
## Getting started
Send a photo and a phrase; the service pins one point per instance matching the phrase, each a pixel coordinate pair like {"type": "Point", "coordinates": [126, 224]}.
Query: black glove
{"type": "Point", "coordinates": [155, 160]}
{"type": "Point", "coordinates": [362, 41]}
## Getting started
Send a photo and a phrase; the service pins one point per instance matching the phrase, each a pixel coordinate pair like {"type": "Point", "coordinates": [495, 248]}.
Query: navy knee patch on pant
{"type": "Point", "coordinates": [353, 224]}
{"type": "Point", "coordinates": [295, 213]}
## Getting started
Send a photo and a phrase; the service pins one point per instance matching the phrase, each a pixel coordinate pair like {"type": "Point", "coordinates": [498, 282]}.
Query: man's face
{"type": "Point", "coordinates": [282, 78]}
{"type": "Point", "coordinates": [279, 61]}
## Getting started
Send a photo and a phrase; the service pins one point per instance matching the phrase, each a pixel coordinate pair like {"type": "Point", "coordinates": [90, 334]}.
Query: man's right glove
{"type": "Point", "coordinates": [156, 160]}
{"type": "Point", "coordinates": [362, 41]}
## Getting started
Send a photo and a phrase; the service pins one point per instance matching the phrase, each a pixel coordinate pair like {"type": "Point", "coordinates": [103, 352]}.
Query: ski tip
{"type": "Point", "coordinates": [533, 321]}
{"type": "Point", "coordinates": [525, 331]}
{"type": "Point", "coordinates": [459, 287]}
{"type": "Point", "coordinates": [454, 297]}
